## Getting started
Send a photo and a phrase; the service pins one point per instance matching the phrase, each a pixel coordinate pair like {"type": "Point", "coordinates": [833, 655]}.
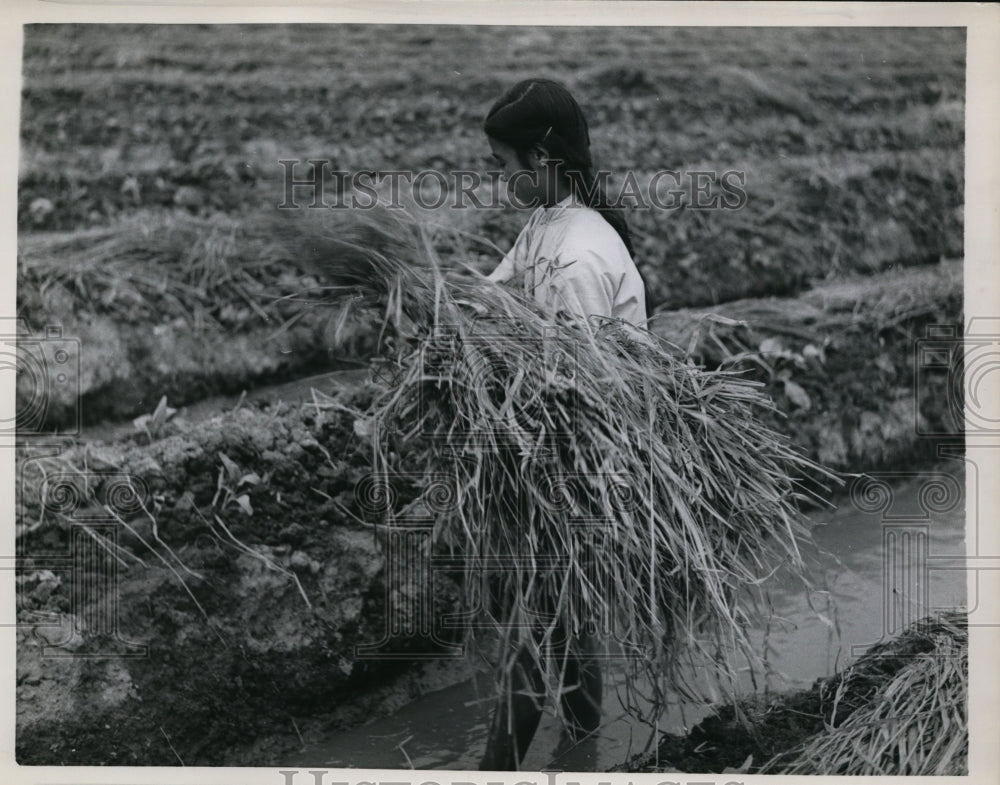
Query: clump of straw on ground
{"type": "Point", "coordinates": [148, 267]}
{"type": "Point", "coordinates": [901, 709]}
{"type": "Point", "coordinates": [588, 475]}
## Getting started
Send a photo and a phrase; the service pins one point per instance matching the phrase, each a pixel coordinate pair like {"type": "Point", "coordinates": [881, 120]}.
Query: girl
{"type": "Point", "coordinates": [573, 258]}
{"type": "Point", "coordinates": [574, 254]}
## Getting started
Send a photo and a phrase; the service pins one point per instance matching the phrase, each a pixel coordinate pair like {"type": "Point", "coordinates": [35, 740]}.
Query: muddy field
{"type": "Point", "coordinates": [243, 557]}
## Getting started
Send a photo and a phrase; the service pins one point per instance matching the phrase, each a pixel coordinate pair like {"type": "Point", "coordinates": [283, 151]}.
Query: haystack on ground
{"type": "Point", "coordinates": [901, 709]}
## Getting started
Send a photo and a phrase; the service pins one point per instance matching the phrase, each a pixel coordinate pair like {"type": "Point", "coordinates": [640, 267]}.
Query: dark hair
{"type": "Point", "coordinates": [542, 111]}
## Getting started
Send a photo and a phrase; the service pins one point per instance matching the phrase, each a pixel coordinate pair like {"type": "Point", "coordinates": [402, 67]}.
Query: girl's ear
{"type": "Point", "coordinates": [538, 155]}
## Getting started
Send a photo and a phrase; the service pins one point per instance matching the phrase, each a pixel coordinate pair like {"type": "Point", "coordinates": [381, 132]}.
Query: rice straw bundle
{"type": "Point", "coordinates": [588, 475]}
{"type": "Point", "coordinates": [901, 709]}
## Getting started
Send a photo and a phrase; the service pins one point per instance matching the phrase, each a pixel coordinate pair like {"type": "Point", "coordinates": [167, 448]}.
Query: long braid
{"type": "Point", "coordinates": [590, 191]}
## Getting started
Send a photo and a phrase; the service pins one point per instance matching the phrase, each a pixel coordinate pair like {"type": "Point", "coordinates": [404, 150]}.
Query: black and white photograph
{"type": "Point", "coordinates": [581, 389]}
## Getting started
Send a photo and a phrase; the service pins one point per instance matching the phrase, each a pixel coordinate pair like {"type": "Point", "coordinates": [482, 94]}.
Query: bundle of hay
{"type": "Point", "coordinates": [589, 476]}
{"type": "Point", "coordinates": [901, 709]}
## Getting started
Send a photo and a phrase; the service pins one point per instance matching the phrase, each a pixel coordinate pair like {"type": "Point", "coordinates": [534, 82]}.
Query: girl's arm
{"type": "Point", "coordinates": [503, 272]}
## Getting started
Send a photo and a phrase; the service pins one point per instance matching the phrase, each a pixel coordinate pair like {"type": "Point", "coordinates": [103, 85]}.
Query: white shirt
{"type": "Point", "coordinates": [571, 259]}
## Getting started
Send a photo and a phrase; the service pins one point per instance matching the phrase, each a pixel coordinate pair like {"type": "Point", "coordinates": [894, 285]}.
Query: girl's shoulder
{"type": "Point", "coordinates": [585, 229]}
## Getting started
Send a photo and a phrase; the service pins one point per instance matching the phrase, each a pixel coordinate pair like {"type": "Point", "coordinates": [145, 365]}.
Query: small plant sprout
{"type": "Point", "coordinates": [152, 424]}
{"type": "Point", "coordinates": [231, 488]}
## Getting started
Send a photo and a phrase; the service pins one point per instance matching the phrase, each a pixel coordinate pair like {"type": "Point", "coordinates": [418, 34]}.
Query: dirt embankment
{"type": "Point", "coordinates": [242, 566]}
{"type": "Point", "coordinates": [249, 319]}
{"type": "Point", "coordinates": [841, 362]}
